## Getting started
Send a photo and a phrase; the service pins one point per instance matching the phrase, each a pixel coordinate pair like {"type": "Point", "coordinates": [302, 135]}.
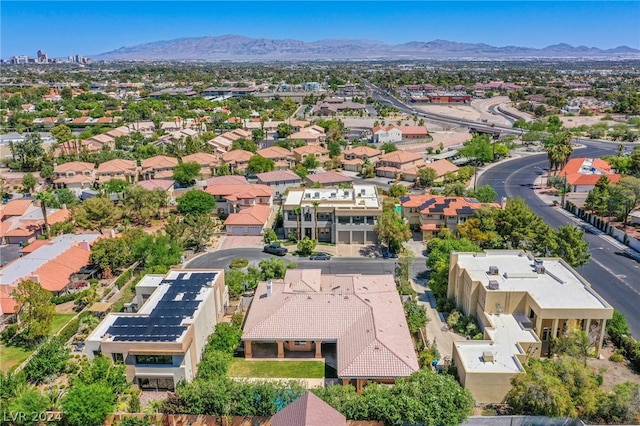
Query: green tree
{"type": "Point", "coordinates": [485, 194]}
{"type": "Point", "coordinates": [397, 190]}
{"type": "Point", "coordinates": [201, 228]}
{"type": "Point", "coordinates": [284, 130]}
{"type": "Point", "coordinates": [50, 360]}
{"type": "Point", "coordinates": [47, 199]}
{"type": "Point", "coordinates": [88, 405]}
{"type": "Point", "coordinates": [272, 269]}
{"type": "Point", "coordinates": [302, 172]}
{"type": "Point", "coordinates": [62, 133]}
{"type": "Point", "coordinates": [269, 236]}
{"type": "Point", "coordinates": [258, 164]}
{"type": "Point", "coordinates": [46, 172]}
{"type": "Point", "coordinates": [97, 213]}
{"type": "Point", "coordinates": [185, 173]}
{"type": "Point", "coordinates": [196, 202]}
{"type": "Point", "coordinates": [388, 147]}
{"type": "Point", "coordinates": [245, 144]}
{"type": "Point", "coordinates": [257, 135]}
{"type": "Point", "coordinates": [622, 405]}
{"type": "Point", "coordinates": [157, 250]}
{"type": "Point", "coordinates": [416, 316]}
{"type": "Point", "coordinates": [35, 310]}
{"type": "Point", "coordinates": [29, 182]}
{"type": "Point", "coordinates": [427, 176]}
{"type": "Point", "coordinates": [310, 162]}
{"type": "Point", "coordinates": [391, 228]}
{"type": "Point", "coordinates": [574, 343]}
{"type": "Point", "coordinates": [66, 197]}
{"type": "Point", "coordinates": [223, 170]}
{"type": "Point", "coordinates": [101, 370]}
{"type": "Point", "coordinates": [334, 149]}
{"type": "Point", "coordinates": [235, 279]}
{"type": "Point", "coordinates": [226, 338]}
{"type": "Point", "coordinates": [480, 148]}
{"type": "Point", "coordinates": [112, 253]}
{"type": "Point", "coordinates": [571, 245]}
{"type": "Point", "coordinates": [29, 401]}
{"type": "Point", "coordinates": [306, 246]}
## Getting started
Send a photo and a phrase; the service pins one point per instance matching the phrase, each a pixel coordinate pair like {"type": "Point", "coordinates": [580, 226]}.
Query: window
{"type": "Point", "coordinates": [154, 359]}
{"type": "Point", "coordinates": [117, 357]}
{"type": "Point", "coordinates": [155, 384]}
{"type": "Point", "coordinates": [300, 343]}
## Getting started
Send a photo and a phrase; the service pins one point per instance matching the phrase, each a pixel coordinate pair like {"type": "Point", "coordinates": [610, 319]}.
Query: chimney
{"type": "Point", "coordinates": [85, 245]}
{"type": "Point", "coordinates": [269, 286]}
{"type": "Point", "coordinates": [35, 278]}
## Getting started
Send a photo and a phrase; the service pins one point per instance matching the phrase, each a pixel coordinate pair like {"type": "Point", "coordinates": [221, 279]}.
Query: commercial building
{"type": "Point", "coordinates": [522, 303]}
{"type": "Point", "coordinates": [358, 317]}
{"type": "Point", "coordinates": [341, 216]}
{"type": "Point", "coordinates": [163, 341]}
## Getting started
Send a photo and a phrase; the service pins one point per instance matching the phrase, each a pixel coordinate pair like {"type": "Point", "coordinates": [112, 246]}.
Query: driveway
{"type": "Point", "coordinates": [241, 241]}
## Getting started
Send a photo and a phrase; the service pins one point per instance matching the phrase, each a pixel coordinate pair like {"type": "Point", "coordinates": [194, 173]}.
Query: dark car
{"type": "Point", "coordinates": [390, 255]}
{"type": "Point", "coordinates": [275, 249]}
{"type": "Point", "coordinates": [320, 256]}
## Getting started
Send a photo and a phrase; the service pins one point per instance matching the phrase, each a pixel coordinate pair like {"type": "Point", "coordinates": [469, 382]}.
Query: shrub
{"type": "Point", "coordinates": [69, 330]}
{"type": "Point", "coordinates": [616, 357]}
{"type": "Point", "coordinates": [124, 278]}
{"type": "Point", "coordinates": [238, 263]}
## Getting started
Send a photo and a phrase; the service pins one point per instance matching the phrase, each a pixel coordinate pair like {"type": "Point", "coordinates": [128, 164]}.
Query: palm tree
{"type": "Point", "coordinates": [46, 199]}
{"type": "Point", "coordinates": [315, 216]}
{"type": "Point", "coordinates": [298, 212]}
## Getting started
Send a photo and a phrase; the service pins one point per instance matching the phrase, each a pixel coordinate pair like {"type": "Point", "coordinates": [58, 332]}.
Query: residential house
{"type": "Point", "coordinates": [162, 343]}
{"type": "Point", "coordinates": [208, 163]}
{"type": "Point", "coordinates": [302, 152]}
{"type": "Point", "coordinates": [347, 317]}
{"type": "Point", "coordinates": [442, 168]}
{"type": "Point", "coordinates": [52, 263]}
{"type": "Point", "coordinates": [432, 213]}
{"type": "Point", "coordinates": [238, 160]}
{"type": "Point", "coordinates": [393, 164]}
{"type": "Point", "coordinates": [165, 185]}
{"type": "Point", "coordinates": [307, 411]}
{"type": "Point", "coordinates": [280, 181]}
{"type": "Point", "coordinates": [250, 221]}
{"type": "Point", "coordinates": [328, 179]}
{"type": "Point", "coordinates": [390, 133]}
{"type": "Point", "coordinates": [333, 106]}
{"type": "Point", "coordinates": [225, 180]}
{"type": "Point", "coordinates": [74, 147]}
{"type": "Point", "coordinates": [23, 222]}
{"type": "Point", "coordinates": [414, 132]}
{"type": "Point", "coordinates": [222, 143]}
{"type": "Point", "coordinates": [117, 168]}
{"type": "Point", "coordinates": [231, 198]}
{"type": "Point", "coordinates": [582, 174]}
{"type": "Point", "coordinates": [75, 176]}
{"type": "Point", "coordinates": [102, 141]}
{"type": "Point", "coordinates": [354, 158]}
{"type": "Point", "coordinates": [158, 167]}
{"type": "Point", "coordinates": [341, 216]}
{"type": "Point", "coordinates": [283, 158]}
{"type": "Point", "coordinates": [312, 135]}
{"type": "Point", "coordinates": [522, 304]}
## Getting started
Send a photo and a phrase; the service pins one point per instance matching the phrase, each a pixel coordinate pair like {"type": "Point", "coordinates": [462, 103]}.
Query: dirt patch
{"type": "Point", "coordinates": [66, 308]}
{"type": "Point", "coordinates": [613, 372]}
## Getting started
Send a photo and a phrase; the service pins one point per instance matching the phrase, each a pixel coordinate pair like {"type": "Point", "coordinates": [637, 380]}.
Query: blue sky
{"type": "Point", "coordinates": [87, 27]}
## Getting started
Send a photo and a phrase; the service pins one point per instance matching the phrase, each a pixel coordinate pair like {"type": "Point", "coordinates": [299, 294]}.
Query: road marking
{"type": "Point", "coordinates": [619, 277]}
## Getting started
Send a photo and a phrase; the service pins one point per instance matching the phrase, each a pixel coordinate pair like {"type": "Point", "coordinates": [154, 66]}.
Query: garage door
{"type": "Point", "coordinates": [371, 237]}
{"type": "Point", "coordinates": [343, 237]}
{"type": "Point", "coordinates": [358, 237]}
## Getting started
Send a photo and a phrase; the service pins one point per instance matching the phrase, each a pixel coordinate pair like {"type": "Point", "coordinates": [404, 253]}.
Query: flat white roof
{"type": "Point", "coordinates": [358, 196]}
{"type": "Point", "coordinates": [505, 335]}
{"type": "Point", "coordinates": [559, 287]}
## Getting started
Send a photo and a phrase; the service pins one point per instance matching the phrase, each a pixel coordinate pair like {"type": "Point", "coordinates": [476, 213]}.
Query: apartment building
{"type": "Point", "coordinates": [522, 303]}
{"type": "Point", "coordinates": [341, 216]}
{"type": "Point", "coordinates": [162, 343]}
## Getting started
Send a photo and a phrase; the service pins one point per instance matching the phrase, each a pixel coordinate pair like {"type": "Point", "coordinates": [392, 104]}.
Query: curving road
{"type": "Point", "coordinates": [614, 277]}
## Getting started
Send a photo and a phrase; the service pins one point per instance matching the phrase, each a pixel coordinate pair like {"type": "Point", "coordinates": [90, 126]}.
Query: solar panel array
{"type": "Point", "coordinates": [163, 323]}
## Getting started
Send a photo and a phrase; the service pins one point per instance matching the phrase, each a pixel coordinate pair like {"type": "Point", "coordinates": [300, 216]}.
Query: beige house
{"type": "Point", "coordinates": [441, 167]}
{"type": "Point", "coordinates": [358, 318]}
{"type": "Point", "coordinates": [117, 169]}
{"type": "Point", "coordinates": [238, 159]}
{"type": "Point", "coordinates": [283, 158]}
{"type": "Point", "coordinates": [75, 176]}
{"type": "Point", "coordinates": [162, 343]}
{"type": "Point", "coordinates": [394, 164]}
{"type": "Point", "coordinates": [302, 152]}
{"type": "Point", "coordinates": [222, 143]}
{"type": "Point", "coordinates": [158, 167]}
{"type": "Point", "coordinates": [522, 303]}
{"type": "Point", "coordinates": [354, 158]}
{"type": "Point", "coordinates": [232, 198]}
{"type": "Point", "coordinates": [313, 135]}
{"type": "Point", "coordinates": [208, 163]}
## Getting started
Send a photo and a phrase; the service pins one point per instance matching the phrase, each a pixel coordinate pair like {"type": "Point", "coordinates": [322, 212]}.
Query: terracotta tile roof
{"type": "Point", "coordinates": [15, 207]}
{"type": "Point", "coordinates": [329, 177]}
{"type": "Point", "coordinates": [363, 314]}
{"type": "Point", "coordinates": [151, 184]}
{"type": "Point", "coordinates": [34, 246]}
{"type": "Point", "coordinates": [159, 162]}
{"type": "Point", "coordinates": [275, 152]}
{"type": "Point", "coordinates": [308, 410]}
{"type": "Point", "coordinates": [7, 304]}
{"type": "Point", "coordinates": [202, 158]}
{"type": "Point", "coordinates": [442, 167]}
{"type": "Point", "coordinates": [102, 139]}
{"type": "Point", "coordinates": [354, 162]}
{"type": "Point", "coordinates": [400, 156]}
{"type": "Point", "coordinates": [385, 129]}
{"type": "Point", "coordinates": [237, 156]}
{"type": "Point", "coordinates": [310, 149]}
{"type": "Point", "coordinates": [443, 205]}
{"type": "Point", "coordinates": [414, 130]}
{"type": "Point", "coordinates": [73, 166]}
{"type": "Point", "coordinates": [245, 191]}
{"type": "Point", "coordinates": [278, 176]}
{"type": "Point", "coordinates": [256, 215]}
{"type": "Point", "coordinates": [79, 178]}
{"type": "Point", "coordinates": [117, 165]}
{"type": "Point", "coordinates": [587, 171]}
{"type": "Point", "coordinates": [55, 274]}
{"type": "Point", "coordinates": [226, 180]}
{"type": "Point", "coordinates": [363, 151]}
{"type": "Point", "coordinates": [430, 227]}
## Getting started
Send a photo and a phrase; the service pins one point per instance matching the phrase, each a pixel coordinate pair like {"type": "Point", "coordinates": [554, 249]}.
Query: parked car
{"type": "Point", "coordinates": [275, 249]}
{"type": "Point", "coordinates": [320, 256]}
{"type": "Point", "coordinates": [390, 255]}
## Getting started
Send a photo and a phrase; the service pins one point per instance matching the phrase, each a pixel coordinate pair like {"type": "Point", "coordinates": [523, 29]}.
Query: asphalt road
{"type": "Point", "coordinates": [614, 277]}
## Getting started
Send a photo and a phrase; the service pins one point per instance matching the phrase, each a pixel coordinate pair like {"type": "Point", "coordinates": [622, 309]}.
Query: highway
{"type": "Point", "coordinates": [614, 277]}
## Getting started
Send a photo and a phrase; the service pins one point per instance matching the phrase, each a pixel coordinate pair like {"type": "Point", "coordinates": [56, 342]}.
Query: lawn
{"type": "Point", "coordinates": [276, 369]}
{"type": "Point", "coordinates": [11, 355]}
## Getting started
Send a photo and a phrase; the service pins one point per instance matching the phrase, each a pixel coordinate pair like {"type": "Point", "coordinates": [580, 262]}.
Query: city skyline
{"type": "Point", "coordinates": [56, 26]}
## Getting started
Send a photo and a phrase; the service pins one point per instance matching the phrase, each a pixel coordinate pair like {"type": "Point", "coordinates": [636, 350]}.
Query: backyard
{"type": "Point", "coordinates": [241, 367]}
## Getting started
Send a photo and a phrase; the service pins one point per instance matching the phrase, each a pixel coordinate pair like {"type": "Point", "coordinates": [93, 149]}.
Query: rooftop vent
{"type": "Point", "coordinates": [493, 270]}
{"type": "Point", "coordinates": [269, 286]}
{"type": "Point", "coordinates": [494, 285]}
{"type": "Point", "coordinates": [538, 262]}
{"type": "Point", "coordinates": [539, 269]}
{"type": "Point", "coordinates": [487, 356]}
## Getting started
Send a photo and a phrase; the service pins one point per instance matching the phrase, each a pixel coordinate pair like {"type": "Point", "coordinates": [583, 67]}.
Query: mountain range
{"type": "Point", "coordinates": [235, 47]}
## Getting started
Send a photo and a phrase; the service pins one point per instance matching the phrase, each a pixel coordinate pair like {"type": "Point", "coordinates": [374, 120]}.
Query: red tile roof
{"type": "Point", "coordinates": [587, 171]}
{"type": "Point", "coordinates": [400, 156]}
{"type": "Point", "coordinates": [329, 177]}
{"type": "Point", "coordinates": [159, 162]}
{"type": "Point", "coordinates": [245, 191]}
{"type": "Point", "coordinates": [443, 205]}
{"type": "Point", "coordinates": [237, 156]}
{"type": "Point", "coordinates": [226, 180]}
{"type": "Point", "coordinates": [275, 152]}
{"type": "Point", "coordinates": [55, 274]}
{"type": "Point", "coordinates": [278, 176]}
{"type": "Point", "coordinates": [442, 167]}
{"type": "Point", "coordinates": [15, 208]}
{"type": "Point", "coordinates": [308, 410]}
{"type": "Point", "coordinates": [362, 151]}
{"type": "Point", "coordinates": [256, 215]}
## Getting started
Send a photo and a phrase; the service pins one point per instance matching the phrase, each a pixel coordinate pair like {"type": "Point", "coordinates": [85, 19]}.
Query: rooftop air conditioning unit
{"type": "Point", "coordinates": [487, 356]}
{"type": "Point", "coordinates": [493, 270]}
{"type": "Point", "coordinates": [494, 285]}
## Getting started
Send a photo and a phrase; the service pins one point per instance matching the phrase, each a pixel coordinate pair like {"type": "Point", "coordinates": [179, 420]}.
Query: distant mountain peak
{"type": "Point", "coordinates": [239, 47]}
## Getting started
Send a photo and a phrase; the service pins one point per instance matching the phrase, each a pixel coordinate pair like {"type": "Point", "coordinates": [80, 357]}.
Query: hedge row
{"type": "Point", "coordinates": [621, 336]}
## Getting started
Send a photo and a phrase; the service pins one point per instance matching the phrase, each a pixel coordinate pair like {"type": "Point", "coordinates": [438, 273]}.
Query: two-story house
{"type": "Point", "coordinates": [279, 181]}
{"type": "Point", "coordinates": [354, 158]}
{"type": "Point", "coordinates": [162, 343]}
{"type": "Point", "coordinates": [302, 152]}
{"type": "Point", "coordinates": [222, 143]}
{"type": "Point", "coordinates": [312, 135]}
{"type": "Point", "coordinates": [393, 164]}
{"type": "Point", "coordinates": [231, 198]}
{"type": "Point", "coordinates": [340, 216]}
{"type": "Point", "coordinates": [117, 169]}
{"type": "Point", "coordinates": [283, 158]}
{"type": "Point", "coordinates": [238, 160]}
{"type": "Point", "coordinates": [208, 163]}
{"type": "Point", "coordinates": [432, 213]}
{"type": "Point", "coordinates": [158, 167]}
{"type": "Point", "coordinates": [390, 133]}
{"type": "Point", "coordinates": [75, 176]}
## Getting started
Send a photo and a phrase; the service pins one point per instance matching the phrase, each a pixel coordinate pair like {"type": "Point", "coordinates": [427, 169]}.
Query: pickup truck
{"type": "Point", "coordinates": [275, 249]}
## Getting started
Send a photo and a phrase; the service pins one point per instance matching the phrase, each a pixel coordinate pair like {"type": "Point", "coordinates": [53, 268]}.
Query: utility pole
{"type": "Point", "coordinates": [475, 177]}
{"type": "Point", "coordinates": [564, 188]}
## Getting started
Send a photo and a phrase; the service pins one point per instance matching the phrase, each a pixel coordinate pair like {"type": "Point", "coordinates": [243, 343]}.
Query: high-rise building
{"type": "Point", "coordinates": [42, 57]}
